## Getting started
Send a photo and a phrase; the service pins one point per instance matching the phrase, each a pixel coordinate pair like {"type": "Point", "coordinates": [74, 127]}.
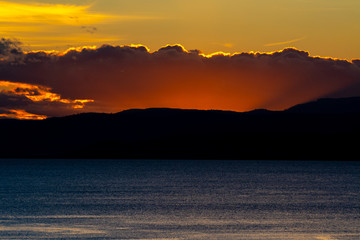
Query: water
{"type": "Point", "coordinates": [117, 199]}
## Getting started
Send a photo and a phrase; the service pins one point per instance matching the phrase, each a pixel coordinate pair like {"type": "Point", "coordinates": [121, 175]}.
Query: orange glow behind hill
{"type": "Point", "coordinates": [115, 78]}
{"type": "Point", "coordinates": [184, 81]}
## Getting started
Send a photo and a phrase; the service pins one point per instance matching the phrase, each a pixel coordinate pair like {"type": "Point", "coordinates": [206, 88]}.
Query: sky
{"type": "Point", "coordinates": [60, 57]}
{"type": "Point", "coordinates": [322, 27]}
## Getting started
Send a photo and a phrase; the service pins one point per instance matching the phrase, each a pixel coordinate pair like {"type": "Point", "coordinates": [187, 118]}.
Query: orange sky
{"type": "Point", "coordinates": [322, 27]}
{"type": "Point", "coordinates": [115, 78]}
{"type": "Point", "coordinates": [45, 70]}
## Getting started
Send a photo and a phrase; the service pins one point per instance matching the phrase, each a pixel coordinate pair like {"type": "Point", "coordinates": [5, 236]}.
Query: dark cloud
{"type": "Point", "coordinates": [36, 99]}
{"type": "Point", "coordinates": [12, 101]}
{"type": "Point", "coordinates": [49, 108]}
{"type": "Point", "coordinates": [4, 111]}
{"type": "Point", "coordinates": [356, 62]}
{"type": "Point", "coordinates": [8, 47]}
{"type": "Point", "coordinates": [26, 91]}
{"type": "Point", "coordinates": [89, 29]}
{"type": "Point", "coordinates": [10, 51]}
{"type": "Point", "coordinates": [121, 77]}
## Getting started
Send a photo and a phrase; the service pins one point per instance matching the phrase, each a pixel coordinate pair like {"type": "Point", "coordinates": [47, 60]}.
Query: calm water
{"type": "Point", "coordinates": [116, 199]}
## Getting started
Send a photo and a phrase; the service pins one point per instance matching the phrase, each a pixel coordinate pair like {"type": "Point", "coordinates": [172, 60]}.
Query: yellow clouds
{"type": "Point", "coordinates": [49, 26]}
{"type": "Point", "coordinates": [22, 114]}
{"type": "Point", "coordinates": [27, 101]}
{"type": "Point", "coordinates": [33, 92]}
{"type": "Point", "coordinates": [124, 77]}
{"type": "Point", "coordinates": [57, 14]}
{"type": "Point", "coordinates": [38, 93]}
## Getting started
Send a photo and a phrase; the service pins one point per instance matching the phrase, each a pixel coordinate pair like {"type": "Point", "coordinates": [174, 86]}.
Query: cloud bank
{"type": "Point", "coordinates": [114, 78]}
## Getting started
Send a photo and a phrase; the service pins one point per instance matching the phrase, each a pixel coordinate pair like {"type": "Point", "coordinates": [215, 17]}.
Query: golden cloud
{"type": "Point", "coordinates": [123, 77]}
{"type": "Point", "coordinates": [285, 42]}
{"type": "Point", "coordinates": [22, 114]}
{"type": "Point", "coordinates": [57, 14]}
{"type": "Point", "coordinates": [55, 26]}
{"type": "Point", "coordinates": [17, 97]}
{"type": "Point", "coordinates": [38, 93]}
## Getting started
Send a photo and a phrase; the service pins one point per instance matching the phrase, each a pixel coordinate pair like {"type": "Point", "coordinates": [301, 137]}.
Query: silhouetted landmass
{"type": "Point", "coordinates": [329, 106]}
{"type": "Point", "coordinates": [327, 129]}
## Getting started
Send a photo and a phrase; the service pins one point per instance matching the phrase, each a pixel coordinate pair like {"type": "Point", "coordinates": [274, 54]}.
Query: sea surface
{"type": "Point", "coordinates": [167, 200]}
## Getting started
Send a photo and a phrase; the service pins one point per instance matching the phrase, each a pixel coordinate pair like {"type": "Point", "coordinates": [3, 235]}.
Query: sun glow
{"type": "Point", "coordinates": [120, 77]}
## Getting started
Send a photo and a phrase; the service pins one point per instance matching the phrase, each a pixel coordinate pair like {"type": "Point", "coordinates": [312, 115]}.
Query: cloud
{"type": "Point", "coordinates": [325, 238]}
{"type": "Point", "coordinates": [226, 45]}
{"type": "Point", "coordinates": [58, 14]}
{"type": "Point", "coordinates": [123, 77]}
{"type": "Point", "coordinates": [21, 114]}
{"type": "Point", "coordinates": [89, 29]}
{"type": "Point", "coordinates": [29, 101]}
{"type": "Point", "coordinates": [33, 21]}
{"type": "Point", "coordinates": [9, 49]}
{"type": "Point", "coordinates": [284, 43]}
{"type": "Point", "coordinates": [8, 46]}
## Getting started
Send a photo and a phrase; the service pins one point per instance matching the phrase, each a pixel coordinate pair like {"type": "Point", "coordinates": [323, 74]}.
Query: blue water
{"type": "Point", "coordinates": [117, 199]}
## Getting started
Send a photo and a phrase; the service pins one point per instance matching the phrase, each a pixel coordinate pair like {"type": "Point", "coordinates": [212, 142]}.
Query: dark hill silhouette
{"type": "Point", "coordinates": [325, 129]}
{"type": "Point", "coordinates": [329, 106]}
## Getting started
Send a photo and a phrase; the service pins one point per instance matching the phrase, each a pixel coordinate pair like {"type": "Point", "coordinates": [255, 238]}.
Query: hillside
{"type": "Point", "coordinates": [324, 129]}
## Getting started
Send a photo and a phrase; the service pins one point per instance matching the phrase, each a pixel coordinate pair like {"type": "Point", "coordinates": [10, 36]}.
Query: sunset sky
{"type": "Point", "coordinates": [323, 27]}
{"type": "Point", "coordinates": [40, 77]}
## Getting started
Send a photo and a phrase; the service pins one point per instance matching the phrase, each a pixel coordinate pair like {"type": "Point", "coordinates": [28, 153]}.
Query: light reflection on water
{"type": "Point", "coordinates": [116, 199]}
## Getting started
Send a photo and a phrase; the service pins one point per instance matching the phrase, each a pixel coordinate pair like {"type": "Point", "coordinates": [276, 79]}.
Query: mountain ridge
{"type": "Point", "coordinates": [319, 106]}
{"type": "Point", "coordinates": [299, 132]}
{"type": "Point", "coordinates": [328, 106]}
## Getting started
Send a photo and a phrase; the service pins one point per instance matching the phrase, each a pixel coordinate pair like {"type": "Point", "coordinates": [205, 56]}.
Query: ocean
{"type": "Point", "coordinates": [168, 199]}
